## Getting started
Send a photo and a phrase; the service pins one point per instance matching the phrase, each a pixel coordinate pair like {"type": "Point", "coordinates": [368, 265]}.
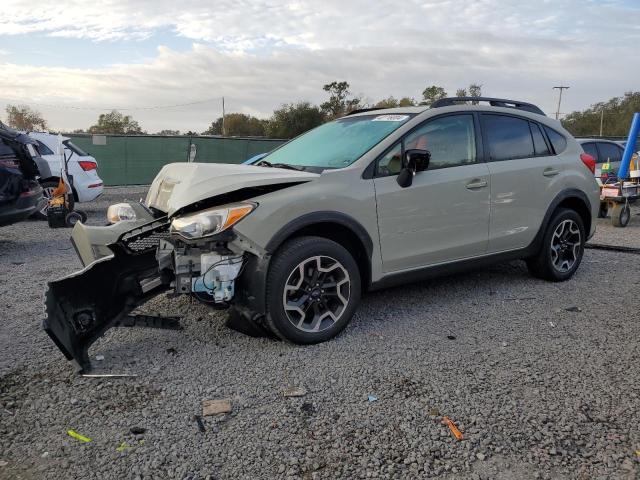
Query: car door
{"type": "Point", "coordinates": [525, 177]}
{"type": "Point", "coordinates": [444, 214]}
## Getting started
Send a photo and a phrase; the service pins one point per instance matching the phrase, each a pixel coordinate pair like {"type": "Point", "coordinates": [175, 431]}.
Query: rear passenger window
{"type": "Point", "coordinates": [508, 137]}
{"type": "Point", "coordinates": [539, 144]}
{"type": "Point", "coordinates": [558, 141]}
{"type": "Point", "coordinates": [609, 152]}
{"type": "Point", "coordinates": [591, 149]}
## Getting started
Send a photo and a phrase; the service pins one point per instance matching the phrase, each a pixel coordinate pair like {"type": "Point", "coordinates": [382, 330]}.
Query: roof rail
{"type": "Point", "coordinates": [494, 102]}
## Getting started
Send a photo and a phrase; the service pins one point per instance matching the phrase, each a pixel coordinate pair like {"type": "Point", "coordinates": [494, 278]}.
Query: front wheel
{"type": "Point", "coordinates": [562, 248]}
{"type": "Point", "coordinates": [313, 290]}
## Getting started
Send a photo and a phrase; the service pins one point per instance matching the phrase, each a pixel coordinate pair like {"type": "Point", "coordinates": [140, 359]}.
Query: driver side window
{"type": "Point", "coordinates": [450, 140]}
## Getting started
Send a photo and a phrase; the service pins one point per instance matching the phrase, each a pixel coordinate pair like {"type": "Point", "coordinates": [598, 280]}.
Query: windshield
{"type": "Point", "coordinates": [339, 143]}
{"type": "Point", "coordinates": [75, 149]}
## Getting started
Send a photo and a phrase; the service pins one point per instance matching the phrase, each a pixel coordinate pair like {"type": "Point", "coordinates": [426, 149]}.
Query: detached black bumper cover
{"type": "Point", "coordinates": [84, 305]}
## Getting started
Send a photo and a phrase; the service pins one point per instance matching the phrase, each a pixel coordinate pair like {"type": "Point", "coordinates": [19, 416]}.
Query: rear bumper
{"type": "Point", "coordinates": [22, 208]}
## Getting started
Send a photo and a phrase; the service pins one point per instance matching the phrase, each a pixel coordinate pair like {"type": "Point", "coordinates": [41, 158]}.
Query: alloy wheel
{"type": "Point", "coordinates": [565, 245]}
{"type": "Point", "coordinates": [316, 293]}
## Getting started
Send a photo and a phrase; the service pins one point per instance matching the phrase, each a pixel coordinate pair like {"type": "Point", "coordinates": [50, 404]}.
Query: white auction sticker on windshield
{"type": "Point", "coordinates": [390, 118]}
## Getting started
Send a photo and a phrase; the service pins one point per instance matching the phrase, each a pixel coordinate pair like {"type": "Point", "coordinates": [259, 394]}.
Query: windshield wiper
{"type": "Point", "coordinates": [264, 163]}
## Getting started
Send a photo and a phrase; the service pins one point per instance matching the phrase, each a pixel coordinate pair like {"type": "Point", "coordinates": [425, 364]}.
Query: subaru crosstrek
{"type": "Point", "coordinates": [372, 199]}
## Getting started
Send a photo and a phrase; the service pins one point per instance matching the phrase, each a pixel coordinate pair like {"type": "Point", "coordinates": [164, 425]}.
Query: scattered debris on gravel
{"type": "Point", "coordinates": [537, 390]}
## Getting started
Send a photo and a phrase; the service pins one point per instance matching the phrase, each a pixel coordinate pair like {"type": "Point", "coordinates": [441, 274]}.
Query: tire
{"type": "Point", "coordinates": [315, 314]}
{"type": "Point", "coordinates": [603, 210]}
{"type": "Point", "coordinates": [47, 187]}
{"type": "Point", "coordinates": [620, 215]}
{"type": "Point", "coordinates": [562, 248]}
{"type": "Point", "coordinates": [72, 218]}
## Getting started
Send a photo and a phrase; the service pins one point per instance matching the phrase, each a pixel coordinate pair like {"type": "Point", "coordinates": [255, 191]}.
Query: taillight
{"type": "Point", "coordinates": [86, 165]}
{"type": "Point", "coordinates": [589, 161]}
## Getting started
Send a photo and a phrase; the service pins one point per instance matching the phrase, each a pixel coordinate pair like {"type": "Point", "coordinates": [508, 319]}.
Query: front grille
{"type": "Point", "coordinates": [146, 237]}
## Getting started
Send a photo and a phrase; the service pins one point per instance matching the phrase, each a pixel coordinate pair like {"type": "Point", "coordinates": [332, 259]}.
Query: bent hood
{"type": "Point", "coordinates": [181, 184]}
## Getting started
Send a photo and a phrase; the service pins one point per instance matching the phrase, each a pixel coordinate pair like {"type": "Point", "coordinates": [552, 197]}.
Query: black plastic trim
{"type": "Point", "coordinates": [321, 217]}
{"type": "Point", "coordinates": [494, 102]}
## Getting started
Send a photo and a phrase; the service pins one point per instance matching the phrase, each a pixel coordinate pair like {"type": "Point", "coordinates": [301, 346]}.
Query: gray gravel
{"type": "Point", "coordinates": [538, 391]}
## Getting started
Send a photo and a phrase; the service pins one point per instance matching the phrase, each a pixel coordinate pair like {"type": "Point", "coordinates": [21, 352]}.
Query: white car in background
{"type": "Point", "coordinates": [87, 185]}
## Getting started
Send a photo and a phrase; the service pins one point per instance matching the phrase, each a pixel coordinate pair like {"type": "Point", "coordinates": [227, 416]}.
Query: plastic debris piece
{"type": "Point", "coordinates": [78, 436]}
{"type": "Point", "coordinates": [137, 430]}
{"type": "Point", "coordinates": [372, 398]}
{"type": "Point", "coordinates": [215, 407]}
{"type": "Point", "coordinates": [434, 411]}
{"type": "Point", "coordinates": [200, 423]}
{"type": "Point", "coordinates": [573, 309]}
{"type": "Point", "coordinates": [552, 324]}
{"type": "Point", "coordinates": [122, 447]}
{"type": "Point", "coordinates": [451, 337]}
{"type": "Point", "coordinates": [294, 392]}
{"type": "Point", "coordinates": [452, 426]}
{"type": "Point", "coordinates": [3, 463]}
{"type": "Point", "coordinates": [172, 351]}
{"type": "Point", "coordinates": [99, 358]}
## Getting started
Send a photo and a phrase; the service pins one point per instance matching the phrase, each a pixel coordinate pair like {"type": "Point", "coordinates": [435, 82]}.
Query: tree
{"type": "Point", "coordinates": [237, 125]}
{"type": "Point", "coordinates": [407, 102]}
{"type": "Point", "coordinates": [22, 117]}
{"type": "Point", "coordinates": [168, 132]}
{"type": "Point", "coordinates": [461, 92]}
{"type": "Point", "coordinates": [431, 94]}
{"type": "Point", "coordinates": [618, 112]}
{"type": "Point", "coordinates": [475, 90]}
{"type": "Point", "coordinates": [116, 123]}
{"type": "Point", "coordinates": [387, 103]}
{"type": "Point", "coordinates": [339, 103]}
{"type": "Point", "coordinates": [291, 120]}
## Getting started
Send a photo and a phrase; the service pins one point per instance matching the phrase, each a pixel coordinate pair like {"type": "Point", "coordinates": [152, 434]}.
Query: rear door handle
{"type": "Point", "coordinates": [550, 172]}
{"type": "Point", "coordinates": [476, 183]}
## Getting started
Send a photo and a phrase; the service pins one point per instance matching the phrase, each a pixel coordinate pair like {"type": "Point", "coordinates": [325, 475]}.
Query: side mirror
{"type": "Point", "coordinates": [415, 160]}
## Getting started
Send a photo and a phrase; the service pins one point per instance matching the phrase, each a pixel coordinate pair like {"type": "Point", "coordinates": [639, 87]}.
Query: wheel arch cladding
{"type": "Point", "coordinates": [572, 199]}
{"type": "Point", "coordinates": [340, 228]}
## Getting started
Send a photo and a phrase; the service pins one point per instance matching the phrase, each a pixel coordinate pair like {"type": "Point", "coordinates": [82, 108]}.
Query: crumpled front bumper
{"type": "Point", "coordinates": [84, 305]}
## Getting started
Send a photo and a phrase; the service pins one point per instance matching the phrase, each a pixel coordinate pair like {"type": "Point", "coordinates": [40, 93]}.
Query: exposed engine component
{"type": "Point", "coordinates": [217, 276]}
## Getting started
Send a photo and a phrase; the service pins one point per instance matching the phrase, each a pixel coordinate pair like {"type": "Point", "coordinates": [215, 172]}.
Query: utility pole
{"type": "Point", "coordinates": [559, 99]}
{"type": "Point", "coordinates": [223, 132]}
{"type": "Point", "coordinates": [601, 119]}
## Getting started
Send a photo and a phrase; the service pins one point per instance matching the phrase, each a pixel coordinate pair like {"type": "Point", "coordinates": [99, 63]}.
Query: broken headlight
{"type": "Point", "coordinates": [212, 221]}
{"type": "Point", "coordinates": [119, 212]}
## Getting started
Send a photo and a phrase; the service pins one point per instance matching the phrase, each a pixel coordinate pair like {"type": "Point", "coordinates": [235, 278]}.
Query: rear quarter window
{"type": "Point", "coordinates": [558, 142]}
{"type": "Point", "coordinates": [43, 149]}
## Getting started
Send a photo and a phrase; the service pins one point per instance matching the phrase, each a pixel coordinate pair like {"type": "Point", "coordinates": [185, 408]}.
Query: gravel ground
{"type": "Point", "coordinates": [539, 388]}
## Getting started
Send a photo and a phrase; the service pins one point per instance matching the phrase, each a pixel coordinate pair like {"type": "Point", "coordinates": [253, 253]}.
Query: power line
{"type": "Point", "coordinates": [559, 99]}
{"type": "Point", "coordinates": [76, 107]}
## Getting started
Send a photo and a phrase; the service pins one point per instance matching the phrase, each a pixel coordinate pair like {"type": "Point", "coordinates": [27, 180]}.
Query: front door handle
{"type": "Point", "coordinates": [550, 172]}
{"type": "Point", "coordinates": [476, 183]}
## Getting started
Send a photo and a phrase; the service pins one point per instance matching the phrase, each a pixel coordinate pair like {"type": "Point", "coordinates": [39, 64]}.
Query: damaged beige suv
{"type": "Point", "coordinates": [373, 199]}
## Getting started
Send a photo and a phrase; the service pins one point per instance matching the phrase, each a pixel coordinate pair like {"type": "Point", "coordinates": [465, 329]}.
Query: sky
{"type": "Point", "coordinates": [73, 59]}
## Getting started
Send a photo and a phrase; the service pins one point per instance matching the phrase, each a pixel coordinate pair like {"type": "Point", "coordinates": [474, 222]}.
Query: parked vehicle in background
{"type": "Point", "coordinates": [20, 192]}
{"type": "Point", "coordinates": [373, 199]}
{"type": "Point", "coordinates": [83, 169]}
{"type": "Point", "coordinates": [605, 152]}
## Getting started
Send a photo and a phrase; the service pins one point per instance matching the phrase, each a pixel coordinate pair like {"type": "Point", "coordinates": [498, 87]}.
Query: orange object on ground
{"type": "Point", "coordinates": [452, 426]}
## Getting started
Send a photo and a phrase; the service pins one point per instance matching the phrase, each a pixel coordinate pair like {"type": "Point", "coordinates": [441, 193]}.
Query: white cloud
{"type": "Point", "coordinates": [259, 54]}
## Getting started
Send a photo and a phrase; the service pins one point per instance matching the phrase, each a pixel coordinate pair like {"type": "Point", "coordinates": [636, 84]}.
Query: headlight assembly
{"type": "Point", "coordinates": [119, 212]}
{"type": "Point", "coordinates": [210, 222]}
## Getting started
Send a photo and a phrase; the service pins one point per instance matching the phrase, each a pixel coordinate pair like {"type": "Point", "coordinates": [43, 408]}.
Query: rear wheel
{"type": "Point", "coordinates": [620, 215]}
{"type": "Point", "coordinates": [562, 248]}
{"type": "Point", "coordinates": [313, 290]}
{"type": "Point", "coordinates": [603, 210]}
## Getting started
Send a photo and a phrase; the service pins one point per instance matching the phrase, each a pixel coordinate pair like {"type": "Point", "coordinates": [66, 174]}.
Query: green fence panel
{"type": "Point", "coordinates": [137, 159]}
